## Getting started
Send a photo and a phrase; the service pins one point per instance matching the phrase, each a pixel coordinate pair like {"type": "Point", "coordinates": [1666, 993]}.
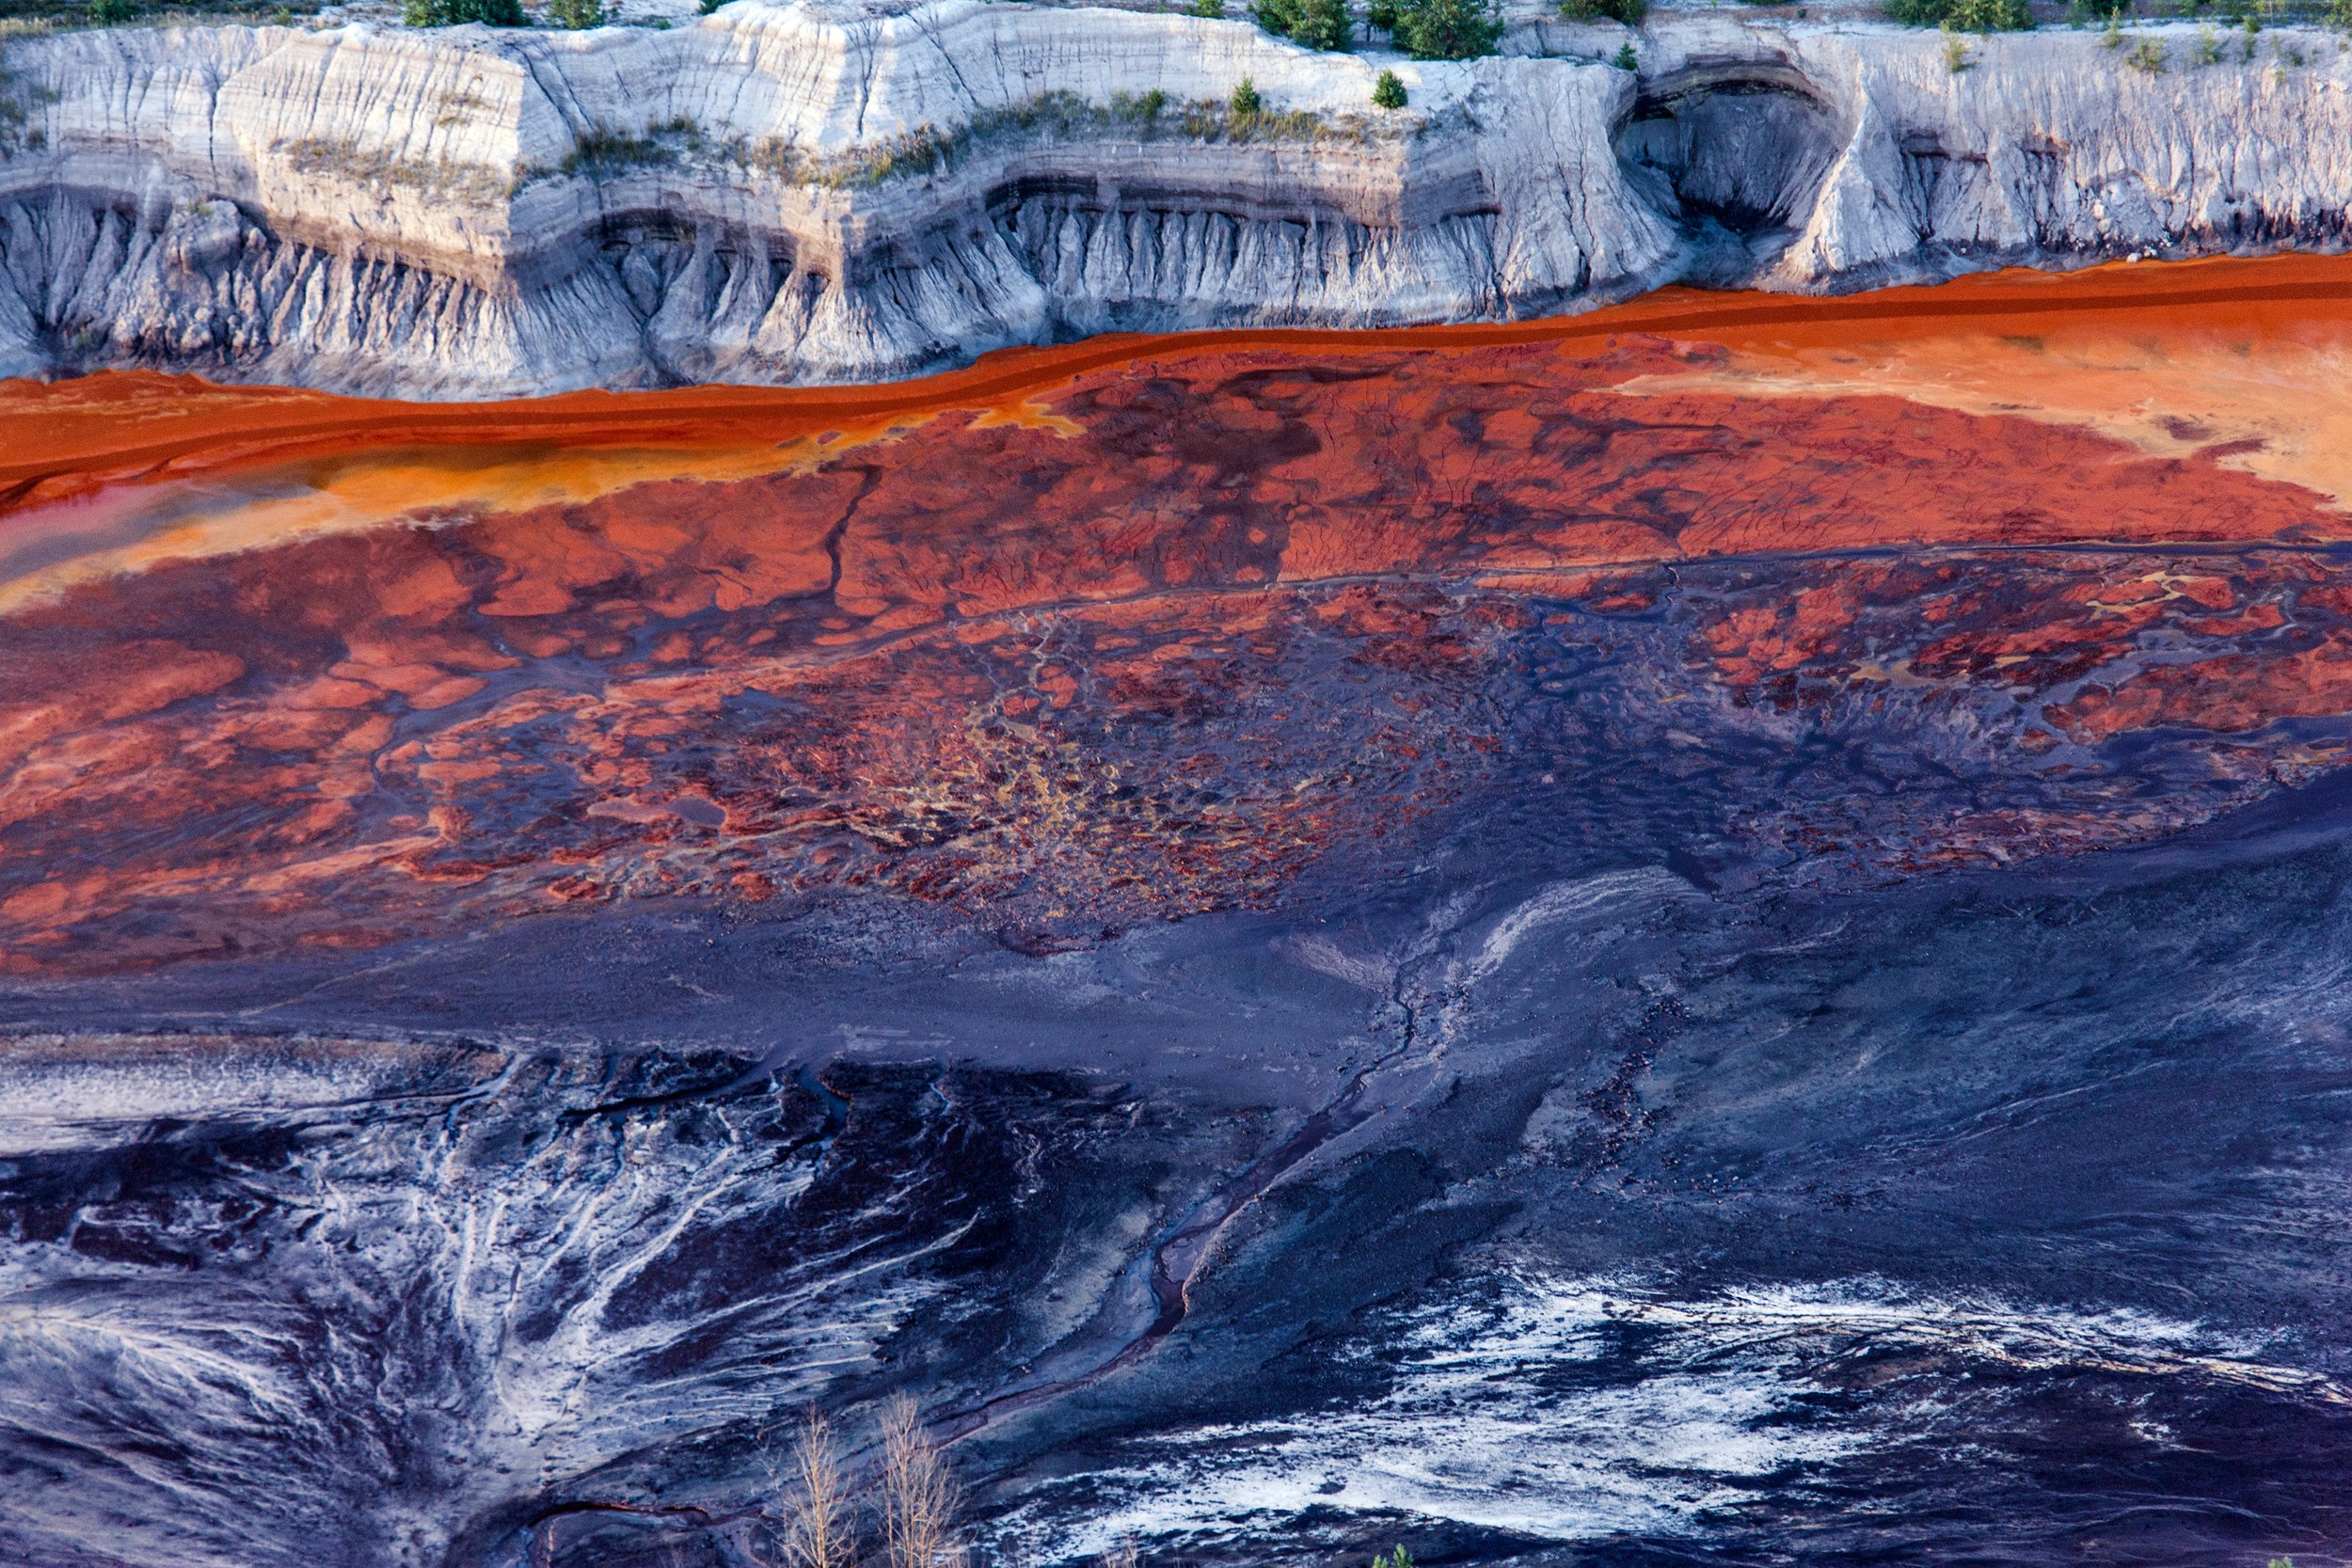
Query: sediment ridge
{"type": "Point", "coordinates": [825, 194]}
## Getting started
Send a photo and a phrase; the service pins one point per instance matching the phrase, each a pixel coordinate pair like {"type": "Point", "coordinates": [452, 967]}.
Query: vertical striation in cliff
{"type": "Point", "coordinates": [811, 194]}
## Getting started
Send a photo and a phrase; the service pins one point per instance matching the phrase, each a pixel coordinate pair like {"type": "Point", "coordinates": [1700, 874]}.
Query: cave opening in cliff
{"type": "Point", "coordinates": [1734, 158]}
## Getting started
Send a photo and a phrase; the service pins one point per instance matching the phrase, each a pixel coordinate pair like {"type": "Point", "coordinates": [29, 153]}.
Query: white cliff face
{"type": "Point", "coordinates": [470, 213]}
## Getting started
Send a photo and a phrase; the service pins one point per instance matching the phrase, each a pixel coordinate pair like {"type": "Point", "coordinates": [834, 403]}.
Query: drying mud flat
{"type": "Point", "coordinates": [1709, 931]}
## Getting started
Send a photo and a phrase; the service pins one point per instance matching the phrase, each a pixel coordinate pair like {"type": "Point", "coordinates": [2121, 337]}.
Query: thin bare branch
{"type": "Point", "coordinates": [919, 1497]}
{"type": "Point", "coordinates": [818, 1531]}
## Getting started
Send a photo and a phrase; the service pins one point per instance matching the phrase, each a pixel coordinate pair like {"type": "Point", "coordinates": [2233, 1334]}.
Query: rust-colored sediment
{"type": "Point", "coordinates": [60, 438]}
{"type": "Point", "coordinates": [1143, 627]}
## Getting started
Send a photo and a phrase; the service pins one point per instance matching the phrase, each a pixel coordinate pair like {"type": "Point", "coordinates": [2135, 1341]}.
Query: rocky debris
{"type": "Point", "coordinates": [824, 194]}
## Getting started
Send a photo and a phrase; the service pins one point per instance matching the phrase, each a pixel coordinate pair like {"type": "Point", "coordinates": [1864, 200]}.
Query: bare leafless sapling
{"type": "Point", "coordinates": [818, 1531]}
{"type": "Point", "coordinates": [919, 1497]}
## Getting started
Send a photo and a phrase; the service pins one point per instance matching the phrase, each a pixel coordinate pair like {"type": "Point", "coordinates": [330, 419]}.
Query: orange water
{"type": "Point", "coordinates": [114, 471]}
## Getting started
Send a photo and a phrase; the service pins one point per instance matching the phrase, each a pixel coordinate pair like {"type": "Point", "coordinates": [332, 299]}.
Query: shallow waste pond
{"type": "Point", "coordinates": [1710, 933]}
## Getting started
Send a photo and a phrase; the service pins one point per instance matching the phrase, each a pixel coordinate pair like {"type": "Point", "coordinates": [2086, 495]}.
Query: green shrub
{"type": "Point", "coordinates": [1381, 14]}
{"type": "Point", "coordinates": [1138, 108]}
{"type": "Point", "coordinates": [576, 14]}
{"type": "Point", "coordinates": [1208, 9]}
{"type": "Point", "coordinates": [1246, 100]}
{"type": "Point", "coordinates": [454, 13]}
{"type": "Point", "coordinates": [1990, 16]}
{"type": "Point", "coordinates": [1447, 29]}
{"type": "Point", "coordinates": [1962, 16]}
{"type": "Point", "coordinates": [1388, 92]}
{"type": "Point", "coordinates": [1398, 1559]}
{"type": "Point", "coordinates": [112, 13]}
{"type": "Point", "coordinates": [1631, 12]}
{"type": "Point", "coordinates": [1316, 24]}
{"type": "Point", "coordinates": [604, 147]}
{"type": "Point", "coordinates": [1626, 58]}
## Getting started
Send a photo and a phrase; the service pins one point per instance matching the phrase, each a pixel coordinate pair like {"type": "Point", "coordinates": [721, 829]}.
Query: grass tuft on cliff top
{"type": "Point", "coordinates": [1059, 115]}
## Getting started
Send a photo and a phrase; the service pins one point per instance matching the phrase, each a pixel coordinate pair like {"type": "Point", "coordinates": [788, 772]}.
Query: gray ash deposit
{"type": "Point", "coordinates": [1602, 1222]}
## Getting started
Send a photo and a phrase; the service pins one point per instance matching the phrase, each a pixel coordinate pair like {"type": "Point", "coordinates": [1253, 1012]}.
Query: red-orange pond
{"type": "Point", "coordinates": [1706, 932]}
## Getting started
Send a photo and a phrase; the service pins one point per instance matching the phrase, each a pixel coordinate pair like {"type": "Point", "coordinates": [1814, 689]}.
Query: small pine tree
{"type": "Point", "coordinates": [1246, 98]}
{"type": "Point", "coordinates": [1388, 92]}
{"type": "Point", "coordinates": [1625, 59]}
{"type": "Point", "coordinates": [1322, 24]}
{"type": "Point", "coordinates": [576, 14]}
{"type": "Point", "coordinates": [1448, 30]}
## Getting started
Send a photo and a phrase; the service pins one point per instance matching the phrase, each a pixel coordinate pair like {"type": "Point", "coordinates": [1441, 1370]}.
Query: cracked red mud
{"type": "Point", "coordinates": [1186, 630]}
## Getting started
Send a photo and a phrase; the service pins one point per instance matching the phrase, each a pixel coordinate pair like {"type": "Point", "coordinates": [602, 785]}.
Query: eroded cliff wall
{"type": "Point", "coordinates": [825, 192]}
